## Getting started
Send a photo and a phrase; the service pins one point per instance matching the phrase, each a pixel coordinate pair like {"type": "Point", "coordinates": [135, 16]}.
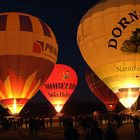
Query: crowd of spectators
{"type": "Point", "coordinates": [92, 126]}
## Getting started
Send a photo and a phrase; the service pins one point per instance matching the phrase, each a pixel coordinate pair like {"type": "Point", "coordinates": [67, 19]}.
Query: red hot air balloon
{"type": "Point", "coordinates": [60, 85]}
{"type": "Point", "coordinates": [101, 91]}
{"type": "Point", "coordinates": [28, 53]}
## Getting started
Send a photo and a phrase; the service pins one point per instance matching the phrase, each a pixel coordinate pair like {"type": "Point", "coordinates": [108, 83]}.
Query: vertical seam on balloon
{"type": "Point", "coordinates": [7, 57]}
{"type": "Point", "coordinates": [45, 29]}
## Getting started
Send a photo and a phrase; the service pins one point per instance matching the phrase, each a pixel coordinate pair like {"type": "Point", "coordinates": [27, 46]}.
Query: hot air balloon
{"type": "Point", "coordinates": [60, 85]}
{"type": "Point", "coordinates": [28, 53]}
{"type": "Point", "coordinates": [108, 37]}
{"type": "Point", "coordinates": [100, 90]}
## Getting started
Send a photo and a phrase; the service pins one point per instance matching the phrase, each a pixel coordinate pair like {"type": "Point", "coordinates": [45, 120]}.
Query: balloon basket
{"type": "Point", "coordinates": [59, 114]}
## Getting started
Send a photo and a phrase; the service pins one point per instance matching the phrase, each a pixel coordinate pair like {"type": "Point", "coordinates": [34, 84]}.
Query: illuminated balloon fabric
{"type": "Point", "coordinates": [101, 91]}
{"type": "Point", "coordinates": [28, 52]}
{"type": "Point", "coordinates": [109, 40]}
{"type": "Point", "coordinates": [60, 85]}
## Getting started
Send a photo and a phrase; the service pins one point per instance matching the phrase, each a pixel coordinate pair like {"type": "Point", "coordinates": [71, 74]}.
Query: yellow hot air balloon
{"type": "Point", "coordinates": [28, 53]}
{"type": "Point", "coordinates": [109, 40]}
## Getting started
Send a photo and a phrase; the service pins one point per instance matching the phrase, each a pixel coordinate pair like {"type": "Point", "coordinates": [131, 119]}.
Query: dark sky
{"type": "Point", "coordinates": [63, 17]}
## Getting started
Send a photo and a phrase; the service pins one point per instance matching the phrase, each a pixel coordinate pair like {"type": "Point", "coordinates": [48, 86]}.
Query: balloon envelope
{"type": "Point", "coordinates": [109, 40]}
{"type": "Point", "coordinates": [28, 53]}
{"type": "Point", "coordinates": [101, 91]}
{"type": "Point", "coordinates": [60, 85]}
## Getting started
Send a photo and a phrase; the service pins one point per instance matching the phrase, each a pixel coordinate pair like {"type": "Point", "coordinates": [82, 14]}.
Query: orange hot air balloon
{"type": "Point", "coordinates": [101, 91]}
{"type": "Point", "coordinates": [60, 85]}
{"type": "Point", "coordinates": [109, 40]}
{"type": "Point", "coordinates": [28, 53]}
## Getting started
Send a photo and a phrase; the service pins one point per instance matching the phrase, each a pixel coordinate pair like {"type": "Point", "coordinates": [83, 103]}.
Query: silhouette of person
{"type": "Point", "coordinates": [110, 133]}
{"type": "Point", "coordinates": [51, 121]}
{"type": "Point", "coordinates": [31, 126]}
{"type": "Point", "coordinates": [96, 133]}
{"type": "Point", "coordinates": [70, 133]}
{"type": "Point", "coordinates": [136, 126]}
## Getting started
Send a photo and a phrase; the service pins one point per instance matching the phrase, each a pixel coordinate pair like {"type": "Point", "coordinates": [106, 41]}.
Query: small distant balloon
{"type": "Point", "coordinates": [100, 90]}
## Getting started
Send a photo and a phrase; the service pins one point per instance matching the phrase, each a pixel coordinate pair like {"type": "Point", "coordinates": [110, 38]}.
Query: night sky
{"type": "Point", "coordinates": [63, 17]}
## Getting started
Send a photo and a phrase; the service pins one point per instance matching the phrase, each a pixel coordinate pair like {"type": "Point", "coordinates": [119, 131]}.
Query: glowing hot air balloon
{"type": "Point", "coordinates": [60, 85]}
{"type": "Point", "coordinates": [109, 40]}
{"type": "Point", "coordinates": [101, 91]}
{"type": "Point", "coordinates": [28, 53]}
